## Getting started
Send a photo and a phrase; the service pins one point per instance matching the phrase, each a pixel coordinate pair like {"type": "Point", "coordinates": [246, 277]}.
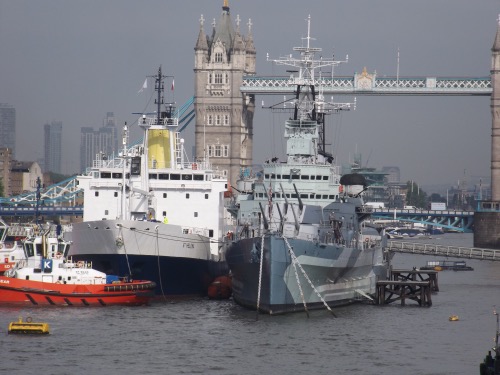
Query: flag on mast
{"type": "Point", "coordinates": [144, 86]}
{"type": "Point", "coordinates": [172, 88]}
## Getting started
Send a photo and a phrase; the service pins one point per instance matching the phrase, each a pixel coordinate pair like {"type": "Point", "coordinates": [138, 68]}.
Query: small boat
{"type": "Point", "coordinates": [28, 327]}
{"type": "Point", "coordinates": [48, 278]}
{"type": "Point", "coordinates": [441, 265]}
{"type": "Point", "coordinates": [491, 363]}
{"type": "Point", "coordinates": [220, 288]}
{"type": "Point", "coordinates": [453, 318]}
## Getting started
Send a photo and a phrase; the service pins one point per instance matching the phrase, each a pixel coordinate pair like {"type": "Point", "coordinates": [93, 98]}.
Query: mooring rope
{"type": "Point", "coordinates": [295, 260]}
{"type": "Point", "coordinates": [158, 261]}
{"type": "Point", "coordinates": [260, 275]}
{"type": "Point", "coordinates": [125, 250]}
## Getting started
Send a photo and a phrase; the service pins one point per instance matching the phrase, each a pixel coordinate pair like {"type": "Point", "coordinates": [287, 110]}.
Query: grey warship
{"type": "Point", "coordinates": [300, 240]}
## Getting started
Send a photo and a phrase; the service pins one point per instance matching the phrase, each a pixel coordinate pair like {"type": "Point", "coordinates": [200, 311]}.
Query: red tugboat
{"type": "Point", "coordinates": [11, 249]}
{"type": "Point", "coordinates": [47, 277]}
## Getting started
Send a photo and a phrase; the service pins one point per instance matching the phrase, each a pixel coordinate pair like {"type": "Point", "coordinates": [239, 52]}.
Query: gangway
{"type": "Point", "coordinates": [441, 250]}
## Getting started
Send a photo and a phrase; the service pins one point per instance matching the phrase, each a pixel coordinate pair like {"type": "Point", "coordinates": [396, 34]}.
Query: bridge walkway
{"type": "Point", "coordinates": [441, 250]}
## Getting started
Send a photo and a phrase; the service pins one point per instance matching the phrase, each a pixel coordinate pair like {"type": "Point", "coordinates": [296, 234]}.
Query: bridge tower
{"type": "Point", "coordinates": [487, 218]}
{"type": "Point", "coordinates": [224, 117]}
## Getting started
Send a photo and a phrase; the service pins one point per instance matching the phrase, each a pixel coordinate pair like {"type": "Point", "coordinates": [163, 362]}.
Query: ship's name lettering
{"type": "Point", "coordinates": [4, 281]}
{"type": "Point", "coordinates": [188, 245]}
{"type": "Point", "coordinates": [82, 272]}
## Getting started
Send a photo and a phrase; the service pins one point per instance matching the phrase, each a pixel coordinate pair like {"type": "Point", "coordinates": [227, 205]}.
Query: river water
{"type": "Point", "coordinates": [219, 337]}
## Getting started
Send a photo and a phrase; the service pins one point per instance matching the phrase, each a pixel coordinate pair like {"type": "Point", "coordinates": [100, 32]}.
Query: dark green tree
{"type": "Point", "coordinates": [415, 196]}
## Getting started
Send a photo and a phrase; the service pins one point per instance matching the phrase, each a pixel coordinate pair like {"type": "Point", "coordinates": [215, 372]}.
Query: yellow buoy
{"type": "Point", "coordinates": [28, 327]}
{"type": "Point", "coordinates": [453, 318]}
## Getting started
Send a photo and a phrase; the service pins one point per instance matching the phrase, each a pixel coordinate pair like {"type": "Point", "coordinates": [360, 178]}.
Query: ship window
{"type": "Point", "coordinates": [187, 195]}
{"type": "Point", "coordinates": [115, 194]}
{"type": "Point", "coordinates": [318, 196]}
{"type": "Point", "coordinates": [286, 177]}
{"type": "Point", "coordinates": [175, 176]}
{"type": "Point", "coordinates": [288, 196]}
{"type": "Point", "coordinates": [210, 233]}
{"type": "Point", "coordinates": [304, 196]}
{"type": "Point", "coordinates": [332, 196]}
{"type": "Point", "coordinates": [163, 176]}
{"type": "Point", "coordinates": [164, 195]}
{"type": "Point", "coordinates": [295, 176]}
{"type": "Point", "coordinates": [266, 176]}
{"type": "Point", "coordinates": [96, 174]}
{"type": "Point", "coordinates": [153, 176]}
{"type": "Point", "coordinates": [105, 174]}
{"type": "Point", "coordinates": [187, 177]}
{"type": "Point", "coordinates": [106, 212]}
{"type": "Point", "coordinates": [313, 177]}
{"type": "Point", "coordinates": [294, 195]}
{"type": "Point", "coordinates": [117, 175]}
{"type": "Point", "coordinates": [206, 196]}
{"type": "Point", "coordinates": [311, 196]}
{"type": "Point", "coordinates": [164, 213]}
{"type": "Point", "coordinates": [304, 177]}
{"type": "Point", "coordinates": [318, 178]}
{"type": "Point", "coordinates": [196, 214]}
{"type": "Point", "coordinates": [325, 178]}
{"type": "Point", "coordinates": [278, 177]}
{"type": "Point", "coordinates": [325, 196]}
{"type": "Point", "coordinates": [198, 177]}
{"type": "Point", "coordinates": [96, 193]}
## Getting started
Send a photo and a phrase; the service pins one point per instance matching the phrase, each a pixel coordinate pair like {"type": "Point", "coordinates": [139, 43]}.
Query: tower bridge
{"type": "Point", "coordinates": [371, 84]}
{"type": "Point", "coordinates": [224, 104]}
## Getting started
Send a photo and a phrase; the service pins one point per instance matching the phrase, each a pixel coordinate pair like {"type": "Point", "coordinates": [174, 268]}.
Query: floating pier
{"type": "Point", "coordinates": [406, 285]}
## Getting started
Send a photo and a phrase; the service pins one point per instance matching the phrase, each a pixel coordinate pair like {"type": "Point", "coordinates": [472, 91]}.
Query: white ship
{"type": "Point", "coordinates": [152, 214]}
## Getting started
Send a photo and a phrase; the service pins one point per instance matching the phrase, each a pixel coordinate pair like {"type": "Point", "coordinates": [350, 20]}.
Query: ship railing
{"type": "Point", "coordinates": [151, 121]}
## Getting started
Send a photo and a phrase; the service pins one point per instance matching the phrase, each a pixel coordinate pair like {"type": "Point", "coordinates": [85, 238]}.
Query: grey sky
{"type": "Point", "coordinates": [73, 61]}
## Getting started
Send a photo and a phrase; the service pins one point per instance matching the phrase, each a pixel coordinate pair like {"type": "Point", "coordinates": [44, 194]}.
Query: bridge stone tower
{"type": "Point", "coordinates": [487, 218]}
{"type": "Point", "coordinates": [224, 117]}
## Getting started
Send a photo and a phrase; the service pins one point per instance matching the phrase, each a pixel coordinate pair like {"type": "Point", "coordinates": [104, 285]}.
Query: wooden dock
{"type": "Point", "coordinates": [404, 285]}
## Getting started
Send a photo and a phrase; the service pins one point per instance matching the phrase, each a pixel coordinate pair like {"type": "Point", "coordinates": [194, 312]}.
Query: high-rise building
{"type": "Point", "coordinates": [224, 120]}
{"type": "Point", "coordinates": [8, 127]}
{"type": "Point", "coordinates": [103, 141]}
{"type": "Point", "coordinates": [53, 147]}
{"type": "Point", "coordinates": [5, 167]}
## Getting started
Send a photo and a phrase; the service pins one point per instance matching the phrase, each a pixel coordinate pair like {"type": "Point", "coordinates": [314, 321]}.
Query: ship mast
{"type": "Point", "coordinates": [309, 104]}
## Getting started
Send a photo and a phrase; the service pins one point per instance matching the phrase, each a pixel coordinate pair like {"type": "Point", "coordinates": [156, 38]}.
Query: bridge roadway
{"type": "Point", "coordinates": [461, 221]}
{"type": "Point", "coordinates": [371, 84]}
{"type": "Point", "coordinates": [441, 250]}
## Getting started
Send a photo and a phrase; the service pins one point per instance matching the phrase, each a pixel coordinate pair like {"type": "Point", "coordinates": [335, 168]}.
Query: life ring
{"type": "Point", "coordinates": [58, 256]}
{"type": "Point", "coordinates": [28, 319]}
{"type": "Point", "coordinates": [80, 264]}
{"type": "Point", "coordinates": [341, 188]}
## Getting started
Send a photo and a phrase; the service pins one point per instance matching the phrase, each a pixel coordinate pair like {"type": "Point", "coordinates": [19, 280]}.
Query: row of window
{"type": "Point", "coordinates": [295, 177]}
{"type": "Point", "coordinates": [302, 196]}
{"type": "Point", "coordinates": [218, 120]}
{"type": "Point", "coordinates": [218, 151]}
{"type": "Point", "coordinates": [218, 78]}
{"type": "Point", "coordinates": [159, 176]}
{"type": "Point", "coordinates": [115, 194]}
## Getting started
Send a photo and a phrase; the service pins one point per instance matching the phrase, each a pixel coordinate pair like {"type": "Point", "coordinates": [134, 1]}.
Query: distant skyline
{"type": "Point", "coordinates": [75, 61]}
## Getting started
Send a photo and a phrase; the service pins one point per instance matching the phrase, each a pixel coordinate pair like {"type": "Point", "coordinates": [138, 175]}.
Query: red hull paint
{"type": "Point", "coordinates": [26, 292]}
{"type": "Point", "coordinates": [5, 267]}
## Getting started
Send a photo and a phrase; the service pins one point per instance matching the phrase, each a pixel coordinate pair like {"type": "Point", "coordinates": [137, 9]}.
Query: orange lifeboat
{"type": "Point", "coordinates": [220, 288]}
